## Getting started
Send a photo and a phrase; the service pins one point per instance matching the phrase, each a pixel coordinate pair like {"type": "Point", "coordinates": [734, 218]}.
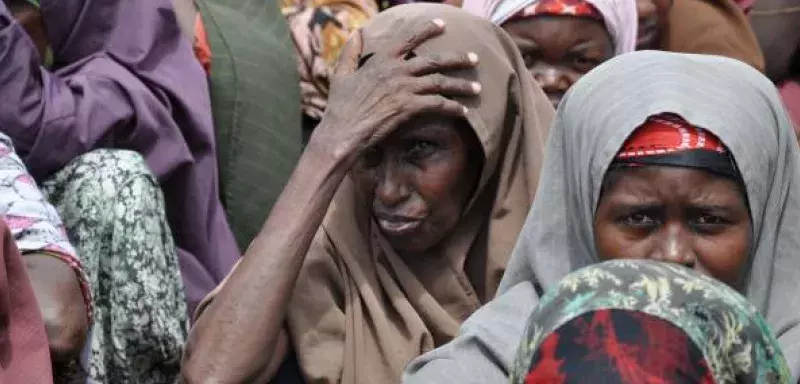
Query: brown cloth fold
{"type": "Point", "coordinates": [360, 312]}
{"type": "Point", "coordinates": [711, 27]}
{"type": "Point", "coordinates": [24, 350]}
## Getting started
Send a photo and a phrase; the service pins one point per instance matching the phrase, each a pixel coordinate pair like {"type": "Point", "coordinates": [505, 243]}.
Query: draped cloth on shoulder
{"type": "Point", "coordinates": [360, 312]}
{"type": "Point", "coordinates": [733, 101]}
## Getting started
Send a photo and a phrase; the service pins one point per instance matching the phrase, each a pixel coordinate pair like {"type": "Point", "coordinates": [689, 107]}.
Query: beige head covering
{"type": "Point", "coordinates": [360, 312]}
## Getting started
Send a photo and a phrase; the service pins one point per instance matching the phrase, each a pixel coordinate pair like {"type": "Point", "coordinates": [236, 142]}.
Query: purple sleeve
{"type": "Point", "coordinates": [55, 116]}
{"type": "Point", "coordinates": [126, 78]}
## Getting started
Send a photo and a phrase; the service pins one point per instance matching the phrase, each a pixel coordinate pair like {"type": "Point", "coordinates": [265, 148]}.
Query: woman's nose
{"type": "Point", "coordinates": [675, 246]}
{"type": "Point", "coordinates": [550, 78]}
{"type": "Point", "coordinates": [392, 188]}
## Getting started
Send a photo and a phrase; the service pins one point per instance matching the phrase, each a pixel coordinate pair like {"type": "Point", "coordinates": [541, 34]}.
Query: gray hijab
{"type": "Point", "coordinates": [725, 96]}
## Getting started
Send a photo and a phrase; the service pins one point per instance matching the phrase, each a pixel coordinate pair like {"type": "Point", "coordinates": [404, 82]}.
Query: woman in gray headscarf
{"type": "Point", "coordinates": [731, 102]}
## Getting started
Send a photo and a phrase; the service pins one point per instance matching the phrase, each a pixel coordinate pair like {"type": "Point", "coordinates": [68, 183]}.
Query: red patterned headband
{"type": "Point", "coordinates": [664, 134]}
{"type": "Point", "coordinates": [578, 8]}
{"type": "Point", "coordinates": [669, 140]}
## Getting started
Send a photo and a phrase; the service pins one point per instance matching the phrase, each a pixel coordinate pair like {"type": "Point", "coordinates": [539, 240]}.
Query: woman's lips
{"type": "Point", "coordinates": [397, 226]}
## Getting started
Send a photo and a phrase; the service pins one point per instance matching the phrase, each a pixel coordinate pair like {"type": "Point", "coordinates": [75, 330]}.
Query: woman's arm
{"type": "Point", "coordinates": [237, 336]}
{"type": "Point", "coordinates": [58, 281]}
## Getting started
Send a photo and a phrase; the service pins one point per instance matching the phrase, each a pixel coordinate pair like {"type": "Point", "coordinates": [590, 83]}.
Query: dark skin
{"type": "Point", "coordinates": [419, 180]}
{"type": "Point", "coordinates": [559, 50]}
{"type": "Point", "coordinates": [652, 19]}
{"type": "Point", "coordinates": [55, 284]}
{"type": "Point", "coordinates": [240, 337]}
{"type": "Point", "coordinates": [678, 215]}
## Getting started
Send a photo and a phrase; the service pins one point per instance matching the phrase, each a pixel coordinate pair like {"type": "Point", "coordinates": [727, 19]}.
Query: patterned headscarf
{"type": "Point", "coordinates": [642, 321]}
{"type": "Point", "coordinates": [576, 8]}
{"type": "Point", "coordinates": [668, 139]}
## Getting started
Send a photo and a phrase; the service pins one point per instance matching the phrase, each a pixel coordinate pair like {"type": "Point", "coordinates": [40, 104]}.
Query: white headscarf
{"type": "Point", "coordinates": [725, 96]}
{"type": "Point", "coordinates": [619, 15]}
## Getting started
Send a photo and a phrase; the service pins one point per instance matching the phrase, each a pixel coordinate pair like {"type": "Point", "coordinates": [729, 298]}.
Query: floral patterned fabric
{"type": "Point", "coordinates": [719, 325]}
{"type": "Point", "coordinates": [320, 29]}
{"type": "Point", "coordinates": [113, 211]}
{"type": "Point", "coordinates": [618, 347]}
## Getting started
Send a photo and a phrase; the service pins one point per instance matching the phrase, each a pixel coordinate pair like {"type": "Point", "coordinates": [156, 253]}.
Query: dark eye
{"type": "Point", "coordinates": [370, 158]}
{"type": "Point", "coordinates": [584, 63]}
{"type": "Point", "coordinates": [530, 58]}
{"type": "Point", "coordinates": [710, 223]}
{"type": "Point", "coordinates": [638, 220]}
{"type": "Point", "coordinates": [420, 149]}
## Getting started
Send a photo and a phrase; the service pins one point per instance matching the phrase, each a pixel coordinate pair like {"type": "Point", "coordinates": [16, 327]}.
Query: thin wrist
{"type": "Point", "coordinates": [338, 153]}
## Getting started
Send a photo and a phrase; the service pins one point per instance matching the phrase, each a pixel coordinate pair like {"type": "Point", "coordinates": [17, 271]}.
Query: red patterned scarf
{"type": "Point", "coordinates": [577, 8]}
{"type": "Point", "coordinates": [670, 140]}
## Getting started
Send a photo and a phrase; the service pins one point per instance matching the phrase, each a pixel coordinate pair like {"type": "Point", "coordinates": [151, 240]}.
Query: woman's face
{"type": "Point", "coordinates": [558, 50]}
{"type": "Point", "coordinates": [419, 180]}
{"type": "Point", "coordinates": [674, 214]}
{"type": "Point", "coordinates": [652, 18]}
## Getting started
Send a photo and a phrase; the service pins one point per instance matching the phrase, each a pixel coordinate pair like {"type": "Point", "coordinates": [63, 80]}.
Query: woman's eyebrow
{"type": "Point", "coordinates": [584, 46]}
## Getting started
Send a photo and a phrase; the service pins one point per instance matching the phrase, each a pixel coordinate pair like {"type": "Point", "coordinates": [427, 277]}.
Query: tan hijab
{"type": "Point", "coordinates": [711, 27]}
{"type": "Point", "coordinates": [360, 312]}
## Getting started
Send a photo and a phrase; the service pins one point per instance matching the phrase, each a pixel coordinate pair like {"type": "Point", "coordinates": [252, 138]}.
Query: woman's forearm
{"type": "Point", "coordinates": [235, 338]}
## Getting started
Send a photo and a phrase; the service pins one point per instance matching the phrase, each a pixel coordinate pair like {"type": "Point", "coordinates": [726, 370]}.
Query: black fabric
{"type": "Point", "coordinates": [715, 162]}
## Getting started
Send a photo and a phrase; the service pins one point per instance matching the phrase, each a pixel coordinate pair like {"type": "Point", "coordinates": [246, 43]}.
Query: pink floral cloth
{"type": "Point", "coordinates": [33, 221]}
{"type": "Point", "coordinates": [790, 93]}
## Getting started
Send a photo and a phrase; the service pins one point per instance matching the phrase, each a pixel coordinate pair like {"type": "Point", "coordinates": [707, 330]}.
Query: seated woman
{"type": "Point", "coordinates": [113, 212]}
{"type": "Point", "coordinates": [121, 76]}
{"type": "Point", "coordinates": [633, 322]}
{"type": "Point", "coordinates": [562, 40]}
{"type": "Point", "coordinates": [675, 193]}
{"type": "Point", "coordinates": [398, 220]}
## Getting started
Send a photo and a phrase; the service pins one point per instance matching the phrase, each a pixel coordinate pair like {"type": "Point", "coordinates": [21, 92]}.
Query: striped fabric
{"type": "Point", "coordinates": [255, 96]}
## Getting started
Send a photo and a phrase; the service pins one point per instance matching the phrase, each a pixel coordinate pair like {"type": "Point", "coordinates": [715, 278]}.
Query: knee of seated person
{"type": "Point", "coordinates": [115, 168]}
{"type": "Point", "coordinates": [117, 162]}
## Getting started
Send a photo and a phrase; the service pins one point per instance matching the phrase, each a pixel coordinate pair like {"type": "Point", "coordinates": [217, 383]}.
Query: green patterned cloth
{"type": "Point", "coordinates": [734, 338]}
{"type": "Point", "coordinates": [255, 98]}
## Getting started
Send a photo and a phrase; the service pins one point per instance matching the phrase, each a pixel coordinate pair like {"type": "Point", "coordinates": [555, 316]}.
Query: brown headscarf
{"type": "Point", "coordinates": [711, 27]}
{"type": "Point", "coordinates": [360, 312]}
{"type": "Point", "coordinates": [24, 350]}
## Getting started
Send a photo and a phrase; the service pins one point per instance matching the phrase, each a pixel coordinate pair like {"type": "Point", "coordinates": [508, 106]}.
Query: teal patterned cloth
{"type": "Point", "coordinates": [734, 338]}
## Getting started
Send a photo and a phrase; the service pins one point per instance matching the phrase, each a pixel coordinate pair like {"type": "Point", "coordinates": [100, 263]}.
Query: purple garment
{"type": "Point", "coordinates": [125, 78]}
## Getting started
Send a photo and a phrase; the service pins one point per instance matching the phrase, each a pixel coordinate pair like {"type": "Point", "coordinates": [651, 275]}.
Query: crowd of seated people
{"type": "Point", "coordinates": [478, 191]}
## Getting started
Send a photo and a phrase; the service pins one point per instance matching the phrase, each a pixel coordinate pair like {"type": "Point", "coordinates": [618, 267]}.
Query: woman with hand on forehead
{"type": "Point", "coordinates": [399, 218]}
